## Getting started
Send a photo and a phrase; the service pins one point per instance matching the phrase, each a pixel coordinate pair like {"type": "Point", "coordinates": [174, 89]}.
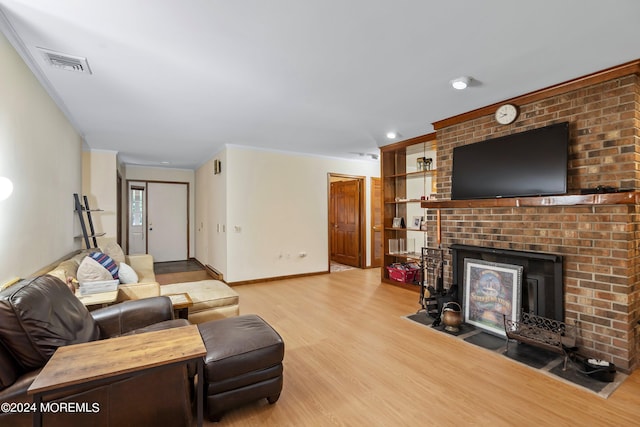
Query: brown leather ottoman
{"type": "Point", "coordinates": [243, 363]}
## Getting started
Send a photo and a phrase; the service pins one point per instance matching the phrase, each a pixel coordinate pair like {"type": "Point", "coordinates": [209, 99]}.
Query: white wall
{"type": "Point", "coordinates": [146, 173]}
{"type": "Point", "coordinates": [41, 153]}
{"type": "Point", "coordinates": [276, 208]}
{"type": "Point", "coordinates": [99, 184]}
{"type": "Point", "coordinates": [203, 194]}
{"type": "Point", "coordinates": [211, 215]}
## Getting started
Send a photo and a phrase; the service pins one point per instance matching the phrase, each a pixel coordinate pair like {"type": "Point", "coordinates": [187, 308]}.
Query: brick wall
{"type": "Point", "coordinates": [599, 243]}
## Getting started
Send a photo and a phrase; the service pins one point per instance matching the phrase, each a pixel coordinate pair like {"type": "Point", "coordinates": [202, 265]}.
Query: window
{"type": "Point", "coordinates": [137, 206]}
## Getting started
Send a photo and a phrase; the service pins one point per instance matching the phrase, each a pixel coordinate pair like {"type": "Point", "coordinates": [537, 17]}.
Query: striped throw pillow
{"type": "Point", "coordinates": [107, 262]}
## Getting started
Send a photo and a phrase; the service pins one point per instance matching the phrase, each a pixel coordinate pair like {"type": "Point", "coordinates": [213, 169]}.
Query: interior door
{"type": "Point", "coordinates": [376, 222]}
{"type": "Point", "coordinates": [167, 221]}
{"type": "Point", "coordinates": [345, 222]}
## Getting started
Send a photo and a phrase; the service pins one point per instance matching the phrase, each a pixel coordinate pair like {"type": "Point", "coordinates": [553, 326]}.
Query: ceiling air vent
{"type": "Point", "coordinates": [66, 62]}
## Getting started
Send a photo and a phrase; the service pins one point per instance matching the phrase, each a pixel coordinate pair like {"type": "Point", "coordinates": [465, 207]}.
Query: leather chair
{"type": "Point", "coordinates": [39, 315]}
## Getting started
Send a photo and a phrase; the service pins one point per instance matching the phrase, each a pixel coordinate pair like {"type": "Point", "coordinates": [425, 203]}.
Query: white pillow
{"type": "Point", "coordinates": [127, 274]}
{"type": "Point", "coordinates": [90, 270]}
{"type": "Point", "coordinates": [114, 250]}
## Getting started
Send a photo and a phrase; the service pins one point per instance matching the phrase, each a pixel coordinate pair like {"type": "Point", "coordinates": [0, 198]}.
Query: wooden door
{"type": "Point", "coordinates": [345, 222]}
{"type": "Point", "coordinates": [376, 222]}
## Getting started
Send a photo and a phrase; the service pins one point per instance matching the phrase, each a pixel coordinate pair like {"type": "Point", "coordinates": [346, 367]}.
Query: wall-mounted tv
{"type": "Point", "coordinates": [531, 163]}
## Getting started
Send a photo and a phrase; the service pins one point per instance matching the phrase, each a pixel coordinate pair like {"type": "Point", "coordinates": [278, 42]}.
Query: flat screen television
{"type": "Point", "coordinates": [531, 163]}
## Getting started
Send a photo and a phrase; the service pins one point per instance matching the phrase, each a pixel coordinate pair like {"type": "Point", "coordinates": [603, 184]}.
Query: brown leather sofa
{"type": "Point", "coordinates": [39, 315]}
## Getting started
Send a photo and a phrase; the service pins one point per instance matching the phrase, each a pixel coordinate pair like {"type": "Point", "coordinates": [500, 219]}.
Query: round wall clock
{"type": "Point", "coordinates": [506, 114]}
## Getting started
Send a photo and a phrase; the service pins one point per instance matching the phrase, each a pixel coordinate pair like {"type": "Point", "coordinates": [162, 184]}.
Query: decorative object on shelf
{"type": "Point", "coordinates": [411, 246]}
{"type": "Point", "coordinates": [402, 246]}
{"type": "Point", "coordinates": [491, 291]}
{"type": "Point", "coordinates": [417, 221]}
{"type": "Point", "coordinates": [424, 163]}
{"type": "Point", "coordinates": [506, 114]}
{"type": "Point", "coordinates": [398, 222]}
{"type": "Point", "coordinates": [423, 225]}
{"type": "Point", "coordinates": [451, 316]}
{"type": "Point", "coordinates": [394, 246]}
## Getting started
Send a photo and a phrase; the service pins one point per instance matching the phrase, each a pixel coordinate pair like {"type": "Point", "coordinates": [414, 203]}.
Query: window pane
{"type": "Point", "coordinates": [136, 207]}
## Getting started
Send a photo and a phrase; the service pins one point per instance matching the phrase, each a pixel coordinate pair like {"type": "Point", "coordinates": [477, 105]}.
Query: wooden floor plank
{"type": "Point", "coordinates": [351, 360]}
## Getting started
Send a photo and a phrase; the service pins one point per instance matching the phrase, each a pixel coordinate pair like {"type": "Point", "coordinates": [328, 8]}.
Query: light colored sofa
{"type": "Point", "coordinates": [212, 299]}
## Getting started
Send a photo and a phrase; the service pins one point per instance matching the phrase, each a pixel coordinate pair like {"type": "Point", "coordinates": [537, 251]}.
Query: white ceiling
{"type": "Point", "coordinates": [178, 80]}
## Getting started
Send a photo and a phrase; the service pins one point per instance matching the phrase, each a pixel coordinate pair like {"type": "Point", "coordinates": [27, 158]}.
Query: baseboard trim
{"type": "Point", "coordinates": [273, 279]}
{"type": "Point", "coordinates": [213, 272]}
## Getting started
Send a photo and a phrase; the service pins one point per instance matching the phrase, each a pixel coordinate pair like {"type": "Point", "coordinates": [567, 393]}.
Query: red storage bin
{"type": "Point", "coordinates": [403, 272]}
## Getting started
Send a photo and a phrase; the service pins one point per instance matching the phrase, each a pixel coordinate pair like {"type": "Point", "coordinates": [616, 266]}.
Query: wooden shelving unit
{"type": "Point", "coordinates": [402, 189]}
{"type": "Point", "coordinates": [82, 211]}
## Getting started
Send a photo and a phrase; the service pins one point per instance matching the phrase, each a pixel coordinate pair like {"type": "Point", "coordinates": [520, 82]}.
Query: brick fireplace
{"type": "Point", "coordinates": [598, 242]}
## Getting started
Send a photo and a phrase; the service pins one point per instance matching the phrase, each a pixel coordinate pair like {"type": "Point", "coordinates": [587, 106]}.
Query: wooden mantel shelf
{"type": "Point", "coordinates": [625, 198]}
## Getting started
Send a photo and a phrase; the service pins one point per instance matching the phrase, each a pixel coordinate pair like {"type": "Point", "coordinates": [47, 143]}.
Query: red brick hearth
{"type": "Point", "coordinates": [599, 242]}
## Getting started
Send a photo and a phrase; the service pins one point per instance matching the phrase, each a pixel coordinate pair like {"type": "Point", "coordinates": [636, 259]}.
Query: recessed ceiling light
{"type": "Point", "coordinates": [461, 82]}
{"type": "Point", "coordinates": [165, 162]}
{"type": "Point", "coordinates": [392, 135]}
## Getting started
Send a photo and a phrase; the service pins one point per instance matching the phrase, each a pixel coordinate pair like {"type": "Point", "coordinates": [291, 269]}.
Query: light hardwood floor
{"type": "Point", "coordinates": [352, 360]}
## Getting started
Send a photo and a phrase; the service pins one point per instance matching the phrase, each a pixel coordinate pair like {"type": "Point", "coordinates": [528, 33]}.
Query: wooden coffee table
{"type": "Point", "coordinates": [121, 357]}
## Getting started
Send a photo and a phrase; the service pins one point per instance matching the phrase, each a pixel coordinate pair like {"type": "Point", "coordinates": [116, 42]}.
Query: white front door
{"type": "Point", "coordinates": [167, 222]}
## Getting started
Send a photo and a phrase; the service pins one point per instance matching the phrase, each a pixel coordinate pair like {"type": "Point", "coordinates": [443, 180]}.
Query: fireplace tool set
{"type": "Point", "coordinates": [432, 292]}
{"type": "Point", "coordinates": [537, 331]}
